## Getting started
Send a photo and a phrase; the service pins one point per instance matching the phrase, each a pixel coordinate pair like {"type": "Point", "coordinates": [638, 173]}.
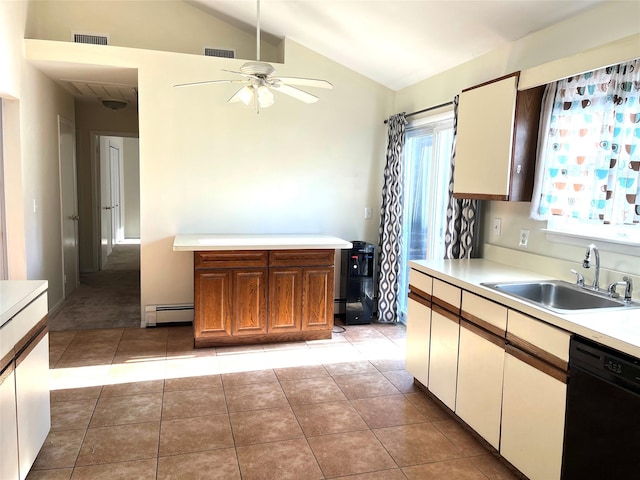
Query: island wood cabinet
{"type": "Point", "coordinates": [497, 134]}
{"type": "Point", "coordinates": [247, 296]}
{"type": "Point", "coordinates": [445, 335]}
{"type": "Point", "coordinates": [419, 325]}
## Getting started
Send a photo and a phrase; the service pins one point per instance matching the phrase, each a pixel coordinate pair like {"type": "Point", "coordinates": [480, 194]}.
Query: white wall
{"type": "Point", "coordinates": [167, 25]}
{"type": "Point", "coordinates": [131, 191]}
{"type": "Point", "coordinates": [579, 44]}
{"type": "Point", "coordinates": [31, 162]}
{"type": "Point", "coordinates": [210, 167]}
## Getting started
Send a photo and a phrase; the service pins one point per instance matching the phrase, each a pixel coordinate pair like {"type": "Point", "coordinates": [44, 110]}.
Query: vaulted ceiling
{"type": "Point", "coordinates": [398, 42]}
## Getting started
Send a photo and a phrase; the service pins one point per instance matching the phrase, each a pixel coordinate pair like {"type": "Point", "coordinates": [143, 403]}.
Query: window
{"type": "Point", "coordinates": [588, 172]}
{"type": "Point", "coordinates": [427, 157]}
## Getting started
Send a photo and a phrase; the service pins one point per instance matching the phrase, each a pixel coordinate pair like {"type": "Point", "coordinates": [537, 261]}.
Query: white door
{"type": "Point", "coordinates": [69, 205]}
{"type": "Point", "coordinates": [116, 212]}
{"type": "Point", "coordinates": [106, 221]}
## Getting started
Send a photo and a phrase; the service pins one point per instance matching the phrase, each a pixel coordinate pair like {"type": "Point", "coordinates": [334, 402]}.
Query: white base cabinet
{"type": "Point", "coordinates": [32, 399]}
{"type": "Point", "coordinates": [533, 414]}
{"type": "Point", "coordinates": [443, 364]}
{"type": "Point", "coordinates": [418, 339]}
{"type": "Point", "coordinates": [8, 426]}
{"type": "Point", "coordinates": [479, 390]}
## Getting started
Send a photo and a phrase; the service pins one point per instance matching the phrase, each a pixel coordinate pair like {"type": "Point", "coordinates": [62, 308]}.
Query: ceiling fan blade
{"type": "Point", "coordinates": [295, 93]}
{"type": "Point", "coordinates": [246, 75]}
{"type": "Point", "coordinates": [305, 82]}
{"type": "Point", "coordinates": [206, 82]}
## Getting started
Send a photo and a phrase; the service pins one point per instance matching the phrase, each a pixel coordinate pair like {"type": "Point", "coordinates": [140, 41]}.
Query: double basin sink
{"type": "Point", "coordinates": [560, 296]}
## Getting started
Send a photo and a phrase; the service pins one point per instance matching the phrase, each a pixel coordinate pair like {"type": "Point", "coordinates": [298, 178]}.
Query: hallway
{"type": "Point", "coordinates": [109, 298]}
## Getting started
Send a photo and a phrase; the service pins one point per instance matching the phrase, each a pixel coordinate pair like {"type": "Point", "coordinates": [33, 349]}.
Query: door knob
{"type": "Point", "coordinates": [106, 208]}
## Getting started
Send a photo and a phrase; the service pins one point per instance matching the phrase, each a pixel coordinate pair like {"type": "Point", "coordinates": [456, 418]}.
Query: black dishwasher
{"type": "Point", "coordinates": [602, 430]}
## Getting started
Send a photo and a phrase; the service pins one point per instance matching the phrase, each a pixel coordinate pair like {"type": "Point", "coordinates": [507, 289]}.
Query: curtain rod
{"type": "Point", "coordinates": [424, 110]}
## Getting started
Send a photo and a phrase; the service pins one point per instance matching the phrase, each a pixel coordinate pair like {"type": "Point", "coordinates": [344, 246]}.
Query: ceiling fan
{"type": "Point", "coordinates": [260, 81]}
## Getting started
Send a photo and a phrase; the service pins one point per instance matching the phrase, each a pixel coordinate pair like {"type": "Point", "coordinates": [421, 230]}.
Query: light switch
{"type": "Point", "coordinates": [524, 238]}
{"type": "Point", "coordinates": [497, 227]}
{"type": "Point", "coordinates": [368, 213]}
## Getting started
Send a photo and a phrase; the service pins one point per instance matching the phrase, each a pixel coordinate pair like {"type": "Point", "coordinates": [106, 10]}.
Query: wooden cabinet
{"type": "Point", "coordinates": [497, 134]}
{"type": "Point", "coordinates": [419, 326]}
{"type": "Point", "coordinates": [534, 397]}
{"type": "Point", "coordinates": [263, 296]}
{"type": "Point", "coordinates": [481, 366]}
{"type": "Point", "coordinates": [445, 333]}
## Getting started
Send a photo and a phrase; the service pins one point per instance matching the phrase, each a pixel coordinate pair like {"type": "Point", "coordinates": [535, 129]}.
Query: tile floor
{"type": "Point", "coordinates": [143, 404]}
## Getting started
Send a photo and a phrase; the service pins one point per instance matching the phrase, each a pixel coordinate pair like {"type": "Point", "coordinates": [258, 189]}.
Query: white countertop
{"type": "Point", "coordinates": [17, 294]}
{"type": "Point", "coordinates": [617, 329]}
{"type": "Point", "coordinates": [190, 243]}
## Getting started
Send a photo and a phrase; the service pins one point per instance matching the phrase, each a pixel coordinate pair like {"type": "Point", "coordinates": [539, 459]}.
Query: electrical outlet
{"type": "Point", "coordinates": [524, 238]}
{"type": "Point", "coordinates": [368, 213]}
{"type": "Point", "coordinates": [497, 227]}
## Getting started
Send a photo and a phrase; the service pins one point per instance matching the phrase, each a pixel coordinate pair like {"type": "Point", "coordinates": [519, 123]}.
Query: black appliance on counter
{"type": "Point", "coordinates": [602, 430]}
{"type": "Point", "coordinates": [358, 283]}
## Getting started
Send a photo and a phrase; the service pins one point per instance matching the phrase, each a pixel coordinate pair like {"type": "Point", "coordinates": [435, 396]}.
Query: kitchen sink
{"type": "Point", "coordinates": [560, 296]}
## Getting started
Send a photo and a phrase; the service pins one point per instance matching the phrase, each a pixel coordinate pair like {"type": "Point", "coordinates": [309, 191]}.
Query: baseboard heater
{"type": "Point", "coordinates": [167, 314]}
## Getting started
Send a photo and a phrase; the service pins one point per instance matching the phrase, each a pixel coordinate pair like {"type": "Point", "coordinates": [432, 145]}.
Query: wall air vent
{"type": "Point", "coordinates": [91, 39]}
{"type": "Point", "coordinates": [219, 52]}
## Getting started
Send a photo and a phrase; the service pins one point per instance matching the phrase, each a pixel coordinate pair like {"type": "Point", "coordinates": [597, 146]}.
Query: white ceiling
{"type": "Point", "coordinates": [399, 42]}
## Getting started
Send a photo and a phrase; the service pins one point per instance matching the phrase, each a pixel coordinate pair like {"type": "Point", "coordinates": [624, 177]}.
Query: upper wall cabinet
{"type": "Point", "coordinates": [496, 141]}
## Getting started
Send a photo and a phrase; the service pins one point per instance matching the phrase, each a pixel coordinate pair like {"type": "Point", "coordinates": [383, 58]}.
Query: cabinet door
{"type": "Point", "coordinates": [8, 426]}
{"type": "Point", "coordinates": [285, 300]}
{"type": "Point", "coordinates": [249, 302]}
{"type": "Point", "coordinates": [317, 298]}
{"type": "Point", "coordinates": [479, 389]}
{"type": "Point", "coordinates": [533, 414]}
{"type": "Point", "coordinates": [443, 362]}
{"type": "Point", "coordinates": [212, 303]}
{"type": "Point", "coordinates": [418, 334]}
{"type": "Point", "coordinates": [484, 139]}
{"type": "Point", "coordinates": [32, 401]}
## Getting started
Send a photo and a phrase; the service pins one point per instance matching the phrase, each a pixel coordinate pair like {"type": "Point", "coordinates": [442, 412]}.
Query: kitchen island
{"type": "Point", "coordinates": [261, 288]}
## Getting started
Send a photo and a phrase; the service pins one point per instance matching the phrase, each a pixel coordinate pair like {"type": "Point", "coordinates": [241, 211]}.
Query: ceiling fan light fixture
{"type": "Point", "coordinates": [265, 97]}
{"type": "Point", "coordinates": [246, 94]}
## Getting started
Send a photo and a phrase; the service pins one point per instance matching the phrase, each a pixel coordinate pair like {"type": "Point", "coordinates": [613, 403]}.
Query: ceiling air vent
{"type": "Point", "coordinates": [91, 39]}
{"type": "Point", "coordinates": [219, 52]}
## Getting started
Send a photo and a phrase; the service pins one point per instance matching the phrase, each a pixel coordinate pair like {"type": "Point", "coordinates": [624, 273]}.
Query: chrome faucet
{"type": "Point", "coordinates": [628, 288]}
{"type": "Point", "coordinates": [592, 251]}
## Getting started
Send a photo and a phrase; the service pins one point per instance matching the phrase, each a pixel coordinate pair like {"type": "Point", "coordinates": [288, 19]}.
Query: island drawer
{"type": "Point", "coordinates": [231, 259]}
{"type": "Point", "coordinates": [301, 258]}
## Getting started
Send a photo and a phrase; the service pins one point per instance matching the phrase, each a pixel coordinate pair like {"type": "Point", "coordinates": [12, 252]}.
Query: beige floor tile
{"type": "Point", "coordinates": [235, 349]}
{"type": "Point", "coordinates": [312, 390]}
{"type": "Point", "coordinates": [387, 411]}
{"type": "Point", "coordinates": [132, 388]}
{"type": "Point", "coordinates": [350, 453]}
{"type": "Point", "coordinates": [195, 434]}
{"type": "Point", "coordinates": [57, 339]}
{"type": "Point", "coordinates": [255, 396]}
{"type": "Point", "coordinates": [192, 383]}
{"type": "Point", "coordinates": [394, 474]}
{"type": "Point", "coordinates": [68, 394]}
{"type": "Point", "coordinates": [78, 377]}
{"type": "Point", "coordinates": [141, 348]}
{"type": "Point", "coordinates": [104, 335]}
{"type": "Point", "coordinates": [87, 355]}
{"type": "Point", "coordinates": [402, 380]}
{"type": "Point", "coordinates": [72, 415]}
{"type": "Point", "coordinates": [327, 418]}
{"type": "Point", "coordinates": [460, 437]}
{"type": "Point", "coordinates": [350, 368]}
{"type": "Point", "coordinates": [261, 426]}
{"type": "Point", "coordinates": [127, 409]}
{"type": "Point", "coordinates": [389, 364]}
{"type": "Point", "coordinates": [213, 465]}
{"type": "Point", "coordinates": [120, 443]}
{"type": "Point", "coordinates": [138, 470]}
{"type": "Point", "coordinates": [461, 469]}
{"type": "Point", "coordinates": [365, 385]}
{"type": "Point", "coordinates": [267, 347]}
{"type": "Point", "coordinates": [244, 378]}
{"type": "Point", "coordinates": [247, 362]}
{"type": "Point", "coordinates": [288, 460]}
{"type": "Point", "coordinates": [415, 444]}
{"type": "Point", "coordinates": [140, 369]}
{"type": "Point", "coordinates": [427, 407]}
{"type": "Point", "coordinates": [60, 449]}
{"type": "Point", "coordinates": [193, 403]}
{"type": "Point", "coordinates": [157, 334]}
{"type": "Point", "coordinates": [57, 474]}
{"type": "Point", "coordinates": [493, 468]}
{"type": "Point", "coordinates": [296, 373]}
{"type": "Point", "coordinates": [187, 365]}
